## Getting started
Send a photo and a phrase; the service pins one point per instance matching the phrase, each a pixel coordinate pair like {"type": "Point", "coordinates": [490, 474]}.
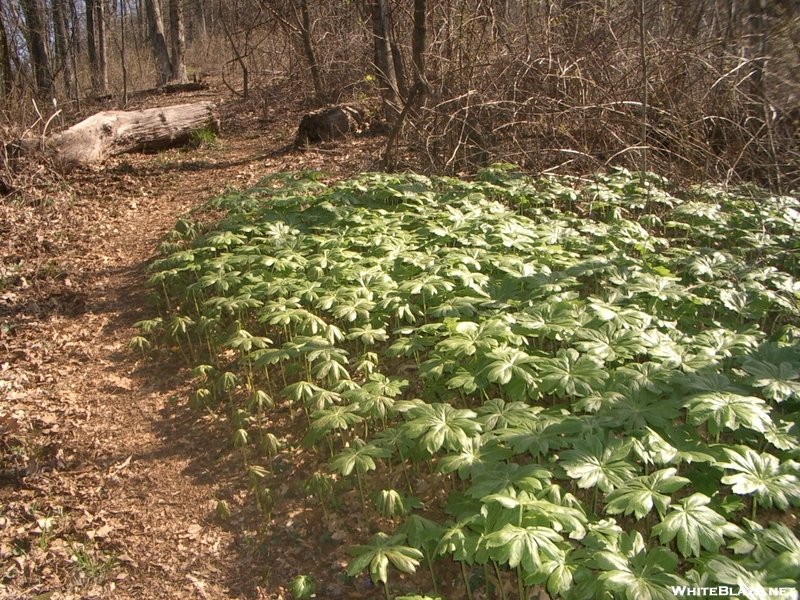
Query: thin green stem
{"type": "Point", "coordinates": [430, 568]}
{"type": "Point", "coordinates": [499, 580]}
{"type": "Point", "coordinates": [466, 579]}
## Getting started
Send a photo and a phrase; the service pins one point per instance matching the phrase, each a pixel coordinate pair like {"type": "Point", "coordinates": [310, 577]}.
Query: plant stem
{"type": "Point", "coordinates": [361, 492]}
{"type": "Point", "coordinates": [499, 580]}
{"type": "Point", "coordinates": [405, 469]}
{"type": "Point", "coordinates": [430, 568]}
{"type": "Point", "coordinates": [466, 579]}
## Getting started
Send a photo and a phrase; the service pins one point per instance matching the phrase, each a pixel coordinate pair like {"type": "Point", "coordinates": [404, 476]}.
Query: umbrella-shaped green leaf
{"type": "Point", "coordinates": [639, 495]}
{"type": "Point", "coordinates": [379, 552]}
{"type": "Point", "coordinates": [764, 475]}
{"type": "Point", "coordinates": [571, 374]}
{"type": "Point", "coordinates": [694, 525]}
{"type": "Point", "coordinates": [594, 463]}
{"type": "Point", "coordinates": [525, 546]}
{"type": "Point", "coordinates": [441, 425]}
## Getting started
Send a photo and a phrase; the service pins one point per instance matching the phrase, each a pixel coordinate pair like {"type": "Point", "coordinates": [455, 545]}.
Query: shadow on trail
{"type": "Point", "coordinates": [199, 439]}
{"type": "Point", "coordinates": [196, 439]}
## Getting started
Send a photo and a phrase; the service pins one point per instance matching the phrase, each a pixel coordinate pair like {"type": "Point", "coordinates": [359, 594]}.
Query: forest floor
{"type": "Point", "coordinates": [108, 480]}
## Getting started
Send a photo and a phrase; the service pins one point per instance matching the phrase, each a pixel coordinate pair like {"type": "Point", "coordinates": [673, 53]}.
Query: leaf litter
{"type": "Point", "coordinates": [108, 483]}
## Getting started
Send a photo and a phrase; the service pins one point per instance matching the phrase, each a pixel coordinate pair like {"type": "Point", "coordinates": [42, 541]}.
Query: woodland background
{"type": "Point", "coordinates": [110, 480]}
{"type": "Point", "coordinates": [708, 87]}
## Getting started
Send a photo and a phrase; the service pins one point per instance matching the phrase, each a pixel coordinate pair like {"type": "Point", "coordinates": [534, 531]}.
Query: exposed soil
{"type": "Point", "coordinates": [108, 480]}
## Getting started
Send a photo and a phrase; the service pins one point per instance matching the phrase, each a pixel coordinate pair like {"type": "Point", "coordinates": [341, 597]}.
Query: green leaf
{"type": "Point", "coordinates": [610, 343]}
{"type": "Point", "coordinates": [779, 382]}
{"type": "Point", "coordinates": [379, 552]}
{"type": "Point", "coordinates": [360, 456]}
{"type": "Point", "coordinates": [303, 586]}
{"type": "Point", "coordinates": [571, 374]}
{"type": "Point", "coordinates": [441, 425]}
{"type": "Point", "coordinates": [694, 525]}
{"type": "Point", "coordinates": [726, 410]}
{"type": "Point", "coordinates": [763, 475]}
{"type": "Point", "coordinates": [639, 495]}
{"type": "Point", "coordinates": [474, 457]}
{"type": "Point", "coordinates": [594, 463]}
{"type": "Point", "coordinates": [641, 575]}
{"type": "Point", "coordinates": [331, 419]}
{"type": "Point", "coordinates": [525, 546]}
{"type": "Point", "coordinates": [502, 476]}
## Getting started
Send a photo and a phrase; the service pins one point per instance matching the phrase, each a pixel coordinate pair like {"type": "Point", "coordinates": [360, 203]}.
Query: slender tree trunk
{"type": "Point", "coordinates": [200, 16]}
{"type": "Point", "coordinates": [399, 70]}
{"type": "Point", "coordinates": [158, 42]}
{"type": "Point", "coordinates": [8, 74]}
{"type": "Point", "coordinates": [238, 55]}
{"type": "Point", "coordinates": [178, 41]}
{"type": "Point", "coordinates": [75, 48]}
{"type": "Point", "coordinates": [123, 56]}
{"type": "Point", "coordinates": [37, 36]}
{"type": "Point", "coordinates": [91, 44]}
{"type": "Point", "coordinates": [62, 45]}
{"type": "Point", "coordinates": [759, 51]}
{"type": "Point", "coordinates": [309, 51]}
{"type": "Point", "coordinates": [384, 64]}
{"type": "Point", "coordinates": [643, 60]}
{"type": "Point", "coordinates": [102, 55]}
{"type": "Point", "coordinates": [418, 40]}
{"type": "Point", "coordinates": [141, 12]}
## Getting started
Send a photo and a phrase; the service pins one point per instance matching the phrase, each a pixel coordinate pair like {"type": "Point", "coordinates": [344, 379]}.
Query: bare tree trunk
{"type": "Point", "coordinates": [96, 41]}
{"type": "Point", "coordinates": [62, 45]}
{"type": "Point", "coordinates": [308, 49]}
{"type": "Point", "coordinates": [141, 12]}
{"type": "Point", "coordinates": [418, 39]}
{"type": "Point", "coordinates": [200, 15]}
{"type": "Point", "coordinates": [178, 41]}
{"type": "Point", "coordinates": [158, 42]}
{"type": "Point", "coordinates": [102, 55]}
{"type": "Point", "coordinates": [37, 36]}
{"type": "Point", "coordinates": [759, 51]}
{"type": "Point", "coordinates": [239, 57]}
{"type": "Point", "coordinates": [8, 74]}
{"type": "Point", "coordinates": [384, 64]}
{"type": "Point", "coordinates": [643, 59]}
{"type": "Point", "coordinates": [123, 56]}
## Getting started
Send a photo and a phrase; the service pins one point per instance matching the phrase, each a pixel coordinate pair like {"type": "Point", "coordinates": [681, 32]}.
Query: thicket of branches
{"type": "Point", "coordinates": [709, 88]}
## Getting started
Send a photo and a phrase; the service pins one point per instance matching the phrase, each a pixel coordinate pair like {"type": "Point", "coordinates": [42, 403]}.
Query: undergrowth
{"type": "Point", "coordinates": [605, 374]}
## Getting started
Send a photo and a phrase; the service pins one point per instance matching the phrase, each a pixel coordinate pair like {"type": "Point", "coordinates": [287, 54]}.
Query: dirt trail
{"type": "Point", "coordinates": [115, 479]}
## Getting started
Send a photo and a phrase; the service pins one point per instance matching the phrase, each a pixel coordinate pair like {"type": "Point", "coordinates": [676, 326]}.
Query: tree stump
{"type": "Point", "coordinates": [110, 133]}
{"type": "Point", "coordinates": [328, 123]}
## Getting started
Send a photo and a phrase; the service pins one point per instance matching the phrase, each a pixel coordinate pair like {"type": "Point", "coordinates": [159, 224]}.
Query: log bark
{"type": "Point", "coordinates": [110, 133]}
{"type": "Point", "coordinates": [171, 88]}
{"type": "Point", "coordinates": [328, 123]}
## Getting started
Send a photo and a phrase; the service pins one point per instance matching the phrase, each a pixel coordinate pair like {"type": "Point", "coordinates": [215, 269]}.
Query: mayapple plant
{"type": "Point", "coordinates": [567, 356]}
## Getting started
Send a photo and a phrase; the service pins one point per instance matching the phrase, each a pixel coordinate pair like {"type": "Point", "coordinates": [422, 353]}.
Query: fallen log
{"type": "Point", "coordinates": [328, 123]}
{"type": "Point", "coordinates": [110, 133]}
{"type": "Point", "coordinates": [170, 88]}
